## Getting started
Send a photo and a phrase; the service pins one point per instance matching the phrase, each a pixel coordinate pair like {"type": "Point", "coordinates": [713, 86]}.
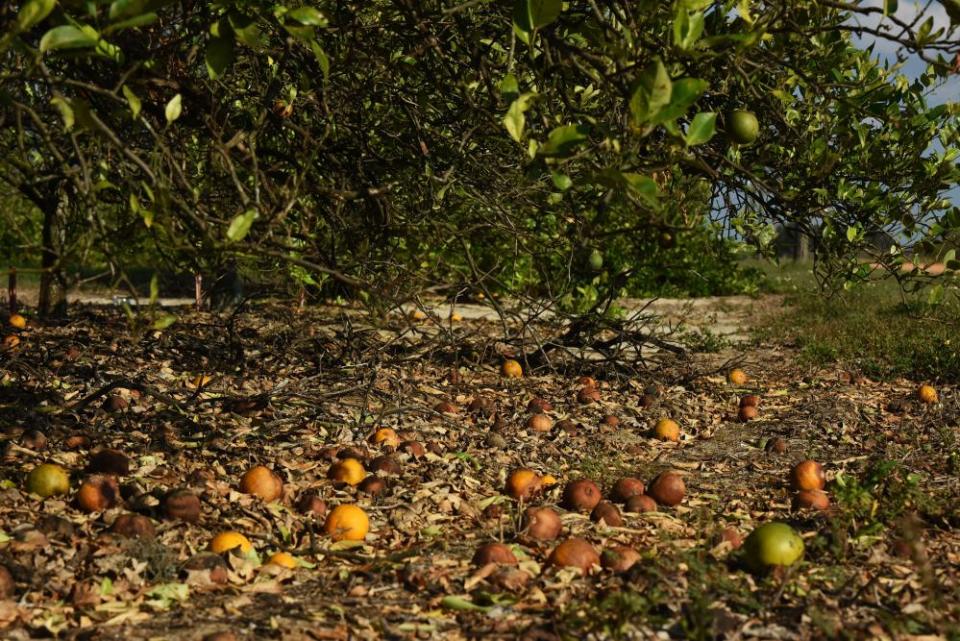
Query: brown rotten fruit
{"type": "Point", "coordinates": [588, 395]}
{"type": "Point", "coordinates": [108, 461]}
{"type": "Point", "coordinates": [619, 558]}
{"type": "Point", "coordinates": [607, 513]}
{"type": "Point", "coordinates": [98, 493]}
{"type": "Point", "coordinates": [133, 526]}
{"type": "Point", "coordinates": [747, 413]}
{"type": "Point", "coordinates": [811, 500]}
{"type": "Point", "coordinates": [576, 553]}
{"type": "Point", "coordinates": [581, 495]}
{"type": "Point", "coordinates": [542, 523]}
{"type": "Point", "coordinates": [181, 505]}
{"type": "Point", "coordinates": [807, 475]}
{"type": "Point", "coordinates": [667, 489]}
{"type": "Point", "coordinates": [640, 504]}
{"type": "Point", "coordinates": [540, 423]}
{"type": "Point", "coordinates": [494, 553]}
{"type": "Point", "coordinates": [626, 488]}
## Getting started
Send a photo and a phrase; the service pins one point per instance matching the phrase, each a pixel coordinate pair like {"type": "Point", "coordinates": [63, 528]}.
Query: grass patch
{"type": "Point", "coordinates": [876, 328]}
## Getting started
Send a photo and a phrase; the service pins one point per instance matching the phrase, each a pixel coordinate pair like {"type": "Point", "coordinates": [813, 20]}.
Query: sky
{"type": "Point", "coordinates": [913, 66]}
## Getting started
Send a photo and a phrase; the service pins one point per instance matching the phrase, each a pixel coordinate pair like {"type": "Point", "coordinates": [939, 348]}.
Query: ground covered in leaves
{"type": "Point", "coordinates": [196, 405]}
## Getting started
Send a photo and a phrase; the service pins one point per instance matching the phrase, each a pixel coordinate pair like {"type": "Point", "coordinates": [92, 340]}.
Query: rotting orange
{"type": "Point", "coordinates": [737, 377]}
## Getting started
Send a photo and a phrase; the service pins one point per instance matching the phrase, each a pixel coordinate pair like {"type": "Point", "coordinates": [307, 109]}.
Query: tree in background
{"type": "Point", "coordinates": [570, 150]}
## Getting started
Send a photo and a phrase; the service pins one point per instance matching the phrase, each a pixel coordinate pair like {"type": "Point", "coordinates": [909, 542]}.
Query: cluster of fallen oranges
{"type": "Point", "coordinates": [11, 341]}
{"type": "Point", "coordinates": [771, 544]}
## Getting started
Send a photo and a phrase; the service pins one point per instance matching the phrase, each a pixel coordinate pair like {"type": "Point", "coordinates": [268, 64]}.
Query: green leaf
{"type": "Point", "coordinates": [509, 88]}
{"type": "Point", "coordinates": [701, 129]}
{"type": "Point", "coordinates": [852, 233]}
{"type": "Point", "coordinates": [687, 28]}
{"type": "Point", "coordinates": [219, 56]}
{"type": "Point", "coordinates": [240, 225]}
{"type": "Point", "coordinates": [515, 121]}
{"type": "Point", "coordinates": [136, 21]}
{"type": "Point", "coordinates": [133, 101]}
{"type": "Point", "coordinates": [562, 140]}
{"type": "Point", "coordinates": [536, 14]}
{"type": "Point", "coordinates": [66, 112]}
{"type": "Point", "coordinates": [67, 37]}
{"type": "Point", "coordinates": [246, 30]}
{"type": "Point", "coordinates": [34, 12]}
{"type": "Point", "coordinates": [154, 289]}
{"type": "Point", "coordinates": [461, 603]}
{"type": "Point", "coordinates": [308, 16]}
{"type": "Point", "coordinates": [164, 322]}
{"type": "Point", "coordinates": [322, 59]}
{"type": "Point", "coordinates": [652, 93]}
{"type": "Point", "coordinates": [889, 7]}
{"type": "Point", "coordinates": [643, 186]}
{"type": "Point", "coordinates": [685, 92]}
{"type": "Point", "coordinates": [127, 8]}
{"type": "Point", "coordinates": [174, 108]}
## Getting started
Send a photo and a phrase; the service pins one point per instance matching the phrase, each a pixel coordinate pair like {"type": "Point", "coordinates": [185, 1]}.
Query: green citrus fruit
{"type": "Point", "coordinates": [48, 479]}
{"type": "Point", "coordinates": [772, 544]}
{"type": "Point", "coordinates": [742, 126]}
{"type": "Point", "coordinates": [596, 260]}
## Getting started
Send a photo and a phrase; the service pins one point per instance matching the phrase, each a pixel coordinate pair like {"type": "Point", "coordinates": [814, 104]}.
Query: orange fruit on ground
{"type": "Point", "coordinates": [230, 540]}
{"type": "Point", "coordinates": [263, 482]}
{"type": "Point", "coordinates": [667, 429]}
{"type": "Point", "coordinates": [575, 552]}
{"type": "Point", "coordinates": [283, 559]}
{"type": "Point", "coordinates": [98, 493]}
{"type": "Point", "coordinates": [523, 483]}
{"type": "Point", "coordinates": [737, 377]}
{"type": "Point", "coordinates": [540, 423]}
{"type": "Point", "coordinates": [347, 522]}
{"type": "Point", "coordinates": [385, 436]}
{"type": "Point", "coordinates": [548, 479]}
{"type": "Point", "coordinates": [511, 369]}
{"type": "Point", "coordinates": [455, 317]}
{"type": "Point", "coordinates": [17, 321]}
{"type": "Point", "coordinates": [927, 394]}
{"type": "Point", "coordinates": [807, 475]}
{"type": "Point", "coordinates": [48, 479]}
{"type": "Point", "coordinates": [348, 470]}
{"type": "Point", "coordinates": [11, 341]}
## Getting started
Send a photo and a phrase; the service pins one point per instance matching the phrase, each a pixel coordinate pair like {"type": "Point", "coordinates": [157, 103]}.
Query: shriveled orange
{"type": "Point", "coordinates": [737, 377]}
{"type": "Point", "coordinates": [230, 540]}
{"type": "Point", "coordinates": [347, 522]}
{"type": "Point", "coordinates": [11, 341]}
{"type": "Point", "coordinates": [348, 470]}
{"type": "Point", "coordinates": [385, 436]}
{"type": "Point", "coordinates": [927, 394]}
{"type": "Point", "coordinates": [17, 321]}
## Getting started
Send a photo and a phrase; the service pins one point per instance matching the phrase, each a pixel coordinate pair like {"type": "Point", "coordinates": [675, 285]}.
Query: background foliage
{"type": "Point", "coordinates": [380, 149]}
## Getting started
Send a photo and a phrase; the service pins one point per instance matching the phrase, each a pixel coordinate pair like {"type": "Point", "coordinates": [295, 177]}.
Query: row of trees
{"type": "Point", "coordinates": [388, 146]}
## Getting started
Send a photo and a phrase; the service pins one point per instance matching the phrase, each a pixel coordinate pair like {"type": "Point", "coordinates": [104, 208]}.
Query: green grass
{"type": "Point", "coordinates": [875, 328]}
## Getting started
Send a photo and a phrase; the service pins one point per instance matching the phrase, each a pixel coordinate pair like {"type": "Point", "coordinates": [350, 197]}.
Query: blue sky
{"type": "Point", "coordinates": [913, 66]}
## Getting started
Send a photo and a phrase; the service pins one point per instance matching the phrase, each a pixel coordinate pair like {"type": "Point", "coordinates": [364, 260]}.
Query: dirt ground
{"type": "Point", "coordinates": [296, 392]}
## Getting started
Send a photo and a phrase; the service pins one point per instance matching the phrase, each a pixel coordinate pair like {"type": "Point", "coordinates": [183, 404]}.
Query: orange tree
{"type": "Point", "coordinates": [562, 149]}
